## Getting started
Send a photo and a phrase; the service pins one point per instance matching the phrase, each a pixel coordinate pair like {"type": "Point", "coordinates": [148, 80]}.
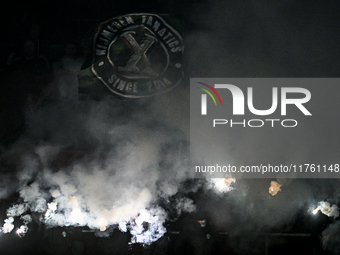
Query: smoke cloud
{"type": "Point", "coordinates": [102, 164]}
{"type": "Point", "coordinates": [122, 163]}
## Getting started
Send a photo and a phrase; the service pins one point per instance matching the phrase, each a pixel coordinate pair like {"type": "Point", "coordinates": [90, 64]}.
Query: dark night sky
{"type": "Point", "coordinates": [266, 30]}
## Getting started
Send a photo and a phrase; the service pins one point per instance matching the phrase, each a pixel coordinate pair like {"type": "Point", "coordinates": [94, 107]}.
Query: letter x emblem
{"type": "Point", "coordinates": [139, 51]}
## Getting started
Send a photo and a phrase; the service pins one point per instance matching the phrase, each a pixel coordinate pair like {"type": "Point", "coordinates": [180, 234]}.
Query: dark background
{"type": "Point", "coordinates": [287, 38]}
{"type": "Point", "coordinates": [222, 39]}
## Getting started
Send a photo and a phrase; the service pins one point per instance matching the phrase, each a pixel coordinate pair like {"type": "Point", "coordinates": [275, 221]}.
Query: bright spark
{"type": "Point", "coordinates": [315, 211]}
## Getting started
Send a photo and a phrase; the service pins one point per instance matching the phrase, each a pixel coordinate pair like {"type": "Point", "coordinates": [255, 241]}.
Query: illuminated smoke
{"type": "Point", "coordinates": [327, 209]}
{"type": "Point", "coordinates": [14, 211]}
{"type": "Point", "coordinates": [68, 208]}
{"type": "Point", "coordinates": [26, 219]}
{"type": "Point", "coordinates": [99, 197]}
{"type": "Point", "coordinates": [148, 226]}
{"type": "Point", "coordinates": [8, 226]}
{"type": "Point", "coordinates": [274, 188]}
{"type": "Point", "coordinates": [17, 210]}
{"type": "Point", "coordinates": [52, 207]}
{"type": "Point", "coordinates": [221, 185]}
{"type": "Point", "coordinates": [184, 204]}
{"type": "Point", "coordinates": [135, 157]}
{"type": "Point", "coordinates": [315, 211]}
{"type": "Point", "coordinates": [22, 230]}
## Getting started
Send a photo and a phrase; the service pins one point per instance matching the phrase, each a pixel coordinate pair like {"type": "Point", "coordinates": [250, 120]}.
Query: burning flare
{"type": "Point", "coordinates": [326, 209]}
{"type": "Point", "coordinates": [315, 211]}
{"type": "Point", "coordinates": [228, 181]}
{"type": "Point", "coordinates": [274, 188]}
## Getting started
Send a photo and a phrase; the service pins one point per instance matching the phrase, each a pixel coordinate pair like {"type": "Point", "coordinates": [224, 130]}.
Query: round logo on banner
{"type": "Point", "coordinates": [137, 55]}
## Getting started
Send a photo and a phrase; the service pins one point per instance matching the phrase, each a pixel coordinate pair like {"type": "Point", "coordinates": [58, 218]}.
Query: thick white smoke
{"type": "Point", "coordinates": [154, 230]}
{"type": "Point", "coordinates": [8, 225]}
{"type": "Point", "coordinates": [135, 151]}
{"type": "Point", "coordinates": [134, 154]}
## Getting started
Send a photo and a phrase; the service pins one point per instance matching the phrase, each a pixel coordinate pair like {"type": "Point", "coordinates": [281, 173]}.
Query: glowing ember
{"type": "Point", "coordinates": [315, 211]}
{"type": "Point", "coordinates": [274, 188]}
{"type": "Point", "coordinates": [229, 181]}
